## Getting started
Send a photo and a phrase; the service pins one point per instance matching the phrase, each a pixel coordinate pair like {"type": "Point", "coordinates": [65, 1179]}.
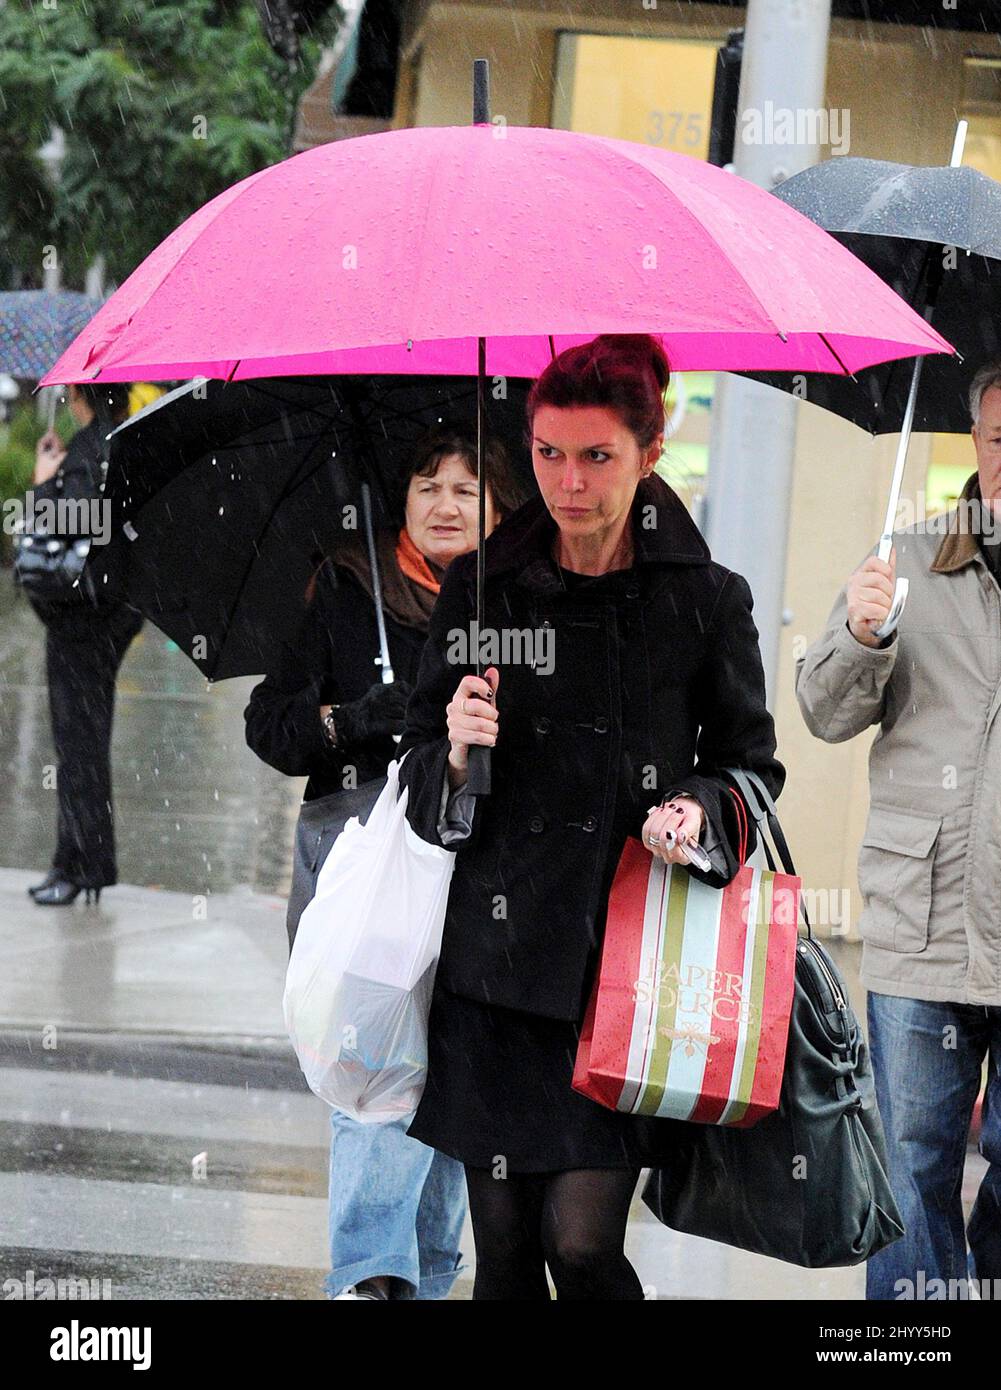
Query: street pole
{"type": "Point", "coordinates": [753, 427]}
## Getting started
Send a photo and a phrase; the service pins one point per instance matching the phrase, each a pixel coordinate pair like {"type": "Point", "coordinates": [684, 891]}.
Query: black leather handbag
{"type": "Point", "coordinates": [319, 824]}
{"type": "Point", "coordinates": [52, 567]}
{"type": "Point", "coordinates": [806, 1184]}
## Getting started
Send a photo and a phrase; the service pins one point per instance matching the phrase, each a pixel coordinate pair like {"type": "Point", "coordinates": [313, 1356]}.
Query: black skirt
{"type": "Point", "coordinates": [498, 1087]}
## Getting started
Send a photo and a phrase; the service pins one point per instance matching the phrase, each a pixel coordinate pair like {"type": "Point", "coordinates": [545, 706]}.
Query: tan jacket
{"type": "Point", "coordinates": [930, 864]}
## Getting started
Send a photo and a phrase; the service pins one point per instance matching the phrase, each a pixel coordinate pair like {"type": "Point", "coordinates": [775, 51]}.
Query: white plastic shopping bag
{"type": "Point", "coordinates": [358, 987]}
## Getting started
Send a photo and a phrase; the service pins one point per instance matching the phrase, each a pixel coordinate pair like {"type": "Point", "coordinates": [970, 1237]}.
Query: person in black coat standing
{"type": "Point", "coordinates": [396, 1207]}
{"type": "Point", "coordinates": [636, 677]}
{"type": "Point", "coordinates": [86, 639]}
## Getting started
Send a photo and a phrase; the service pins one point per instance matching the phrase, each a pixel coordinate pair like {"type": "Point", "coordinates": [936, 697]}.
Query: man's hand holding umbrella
{"type": "Point", "coordinates": [870, 597]}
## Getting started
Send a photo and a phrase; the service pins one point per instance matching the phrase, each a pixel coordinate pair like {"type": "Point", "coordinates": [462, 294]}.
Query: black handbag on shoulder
{"type": "Point", "coordinates": [52, 567]}
{"type": "Point", "coordinates": [807, 1183]}
{"type": "Point", "coordinates": [49, 565]}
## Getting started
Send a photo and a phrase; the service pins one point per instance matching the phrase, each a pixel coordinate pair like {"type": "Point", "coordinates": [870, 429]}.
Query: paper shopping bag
{"type": "Point", "coordinates": [689, 1015]}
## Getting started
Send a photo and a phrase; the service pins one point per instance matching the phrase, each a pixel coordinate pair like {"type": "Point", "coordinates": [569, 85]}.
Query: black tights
{"type": "Point", "coordinates": [574, 1222]}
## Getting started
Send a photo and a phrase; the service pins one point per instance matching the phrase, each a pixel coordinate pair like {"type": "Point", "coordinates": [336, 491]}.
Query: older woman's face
{"type": "Point", "coordinates": [587, 464]}
{"type": "Point", "coordinates": [443, 511]}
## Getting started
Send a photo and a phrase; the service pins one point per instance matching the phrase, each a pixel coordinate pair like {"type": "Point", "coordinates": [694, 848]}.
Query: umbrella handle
{"type": "Point", "coordinates": [478, 769]}
{"type": "Point", "coordinates": [896, 608]}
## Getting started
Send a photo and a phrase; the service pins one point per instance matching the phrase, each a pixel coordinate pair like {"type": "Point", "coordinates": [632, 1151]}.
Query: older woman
{"type": "Point", "coordinates": [654, 684]}
{"type": "Point", "coordinates": [396, 1207]}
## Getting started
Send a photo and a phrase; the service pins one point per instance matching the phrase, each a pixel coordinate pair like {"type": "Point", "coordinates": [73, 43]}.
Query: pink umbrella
{"type": "Point", "coordinates": [486, 249]}
{"type": "Point", "coordinates": [395, 252]}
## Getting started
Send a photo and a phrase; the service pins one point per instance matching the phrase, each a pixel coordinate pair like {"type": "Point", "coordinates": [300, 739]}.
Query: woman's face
{"type": "Point", "coordinates": [443, 511]}
{"type": "Point", "coordinates": [587, 464]}
{"type": "Point", "coordinates": [79, 408]}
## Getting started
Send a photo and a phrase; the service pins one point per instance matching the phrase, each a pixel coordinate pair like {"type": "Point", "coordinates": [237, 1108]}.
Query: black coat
{"type": "Point", "coordinates": [80, 474]}
{"type": "Point", "coordinates": [79, 477]}
{"type": "Point", "coordinates": [333, 659]}
{"type": "Point", "coordinates": [651, 655]}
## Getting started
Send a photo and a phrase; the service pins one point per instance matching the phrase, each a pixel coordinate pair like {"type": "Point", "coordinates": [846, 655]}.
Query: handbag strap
{"type": "Point", "coordinates": [761, 805]}
{"type": "Point", "coordinates": [754, 806]}
{"type": "Point", "coordinates": [741, 810]}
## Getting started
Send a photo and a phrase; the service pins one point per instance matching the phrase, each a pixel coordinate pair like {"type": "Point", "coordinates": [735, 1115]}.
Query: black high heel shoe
{"type": "Point", "coordinates": [51, 877]}
{"type": "Point", "coordinates": [63, 892]}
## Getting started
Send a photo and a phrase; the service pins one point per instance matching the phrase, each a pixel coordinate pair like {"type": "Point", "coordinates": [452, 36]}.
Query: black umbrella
{"type": "Point", "coordinates": [224, 497]}
{"type": "Point", "coordinates": [934, 235]}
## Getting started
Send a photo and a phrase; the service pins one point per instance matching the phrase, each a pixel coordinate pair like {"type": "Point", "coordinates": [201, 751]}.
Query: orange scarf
{"type": "Point", "coordinates": [412, 562]}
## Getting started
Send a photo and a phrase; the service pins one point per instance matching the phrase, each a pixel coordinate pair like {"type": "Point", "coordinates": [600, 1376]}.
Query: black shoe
{"type": "Point", "coordinates": [50, 877]}
{"type": "Point", "coordinates": [63, 892]}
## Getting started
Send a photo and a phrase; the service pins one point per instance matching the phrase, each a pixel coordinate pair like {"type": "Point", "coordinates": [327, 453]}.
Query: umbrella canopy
{"type": "Point", "coordinates": [224, 498]}
{"type": "Point", "coordinates": [397, 252]}
{"type": "Point", "coordinates": [934, 236]}
{"type": "Point", "coordinates": [36, 326]}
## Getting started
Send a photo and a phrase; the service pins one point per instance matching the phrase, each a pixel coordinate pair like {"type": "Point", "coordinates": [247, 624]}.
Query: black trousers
{"type": "Point", "coordinates": [83, 652]}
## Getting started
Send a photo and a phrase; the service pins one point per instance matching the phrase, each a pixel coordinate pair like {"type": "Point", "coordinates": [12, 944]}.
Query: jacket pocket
{"type": "Point", "coordinates": [895, 877]}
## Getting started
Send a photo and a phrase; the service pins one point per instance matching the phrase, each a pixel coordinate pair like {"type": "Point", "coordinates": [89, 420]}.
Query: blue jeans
{"type": "Point", "coordinates": [396, 1208]}
{"type": "Point", "coordinates": [927, 1059]}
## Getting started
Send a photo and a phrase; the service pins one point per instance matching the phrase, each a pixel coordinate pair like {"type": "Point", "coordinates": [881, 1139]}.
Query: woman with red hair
{"type": "Point", "coordinates": [654, 686]}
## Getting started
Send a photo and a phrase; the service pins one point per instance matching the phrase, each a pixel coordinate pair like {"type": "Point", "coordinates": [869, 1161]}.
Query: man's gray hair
{"type": "Point", "coordinates": [988, 375]}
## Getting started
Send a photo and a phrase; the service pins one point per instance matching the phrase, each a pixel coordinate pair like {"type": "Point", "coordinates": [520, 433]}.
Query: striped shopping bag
{"type": "Point", "coordinates": [689, 1015]}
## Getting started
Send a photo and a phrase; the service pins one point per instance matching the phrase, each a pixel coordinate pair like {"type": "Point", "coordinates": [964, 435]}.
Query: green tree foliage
{"type": "Point", "coordinates": [162, 106]}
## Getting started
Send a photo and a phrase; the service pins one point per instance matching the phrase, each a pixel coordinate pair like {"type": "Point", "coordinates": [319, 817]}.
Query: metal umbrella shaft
{"type": "Point", "coordinates": [373, 560]}
{"type": "Point", "coordinates": [886, 539]}
{"type": "Point", "coordinates": [478, 755]}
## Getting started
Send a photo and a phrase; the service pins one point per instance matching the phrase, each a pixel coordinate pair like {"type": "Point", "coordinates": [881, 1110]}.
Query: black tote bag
{"type": "Point", "coordinates": [806, 1184]}
{"type": "Point", "coordinates": [319, 824]}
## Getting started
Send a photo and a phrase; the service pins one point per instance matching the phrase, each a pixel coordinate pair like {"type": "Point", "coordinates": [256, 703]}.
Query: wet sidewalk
{"type": "Point", "coordinates": [167, 971]}
{"type": "Point", "coordinates": [196, 811]}
{"type": "Point", "coordinates": [184, 1011]}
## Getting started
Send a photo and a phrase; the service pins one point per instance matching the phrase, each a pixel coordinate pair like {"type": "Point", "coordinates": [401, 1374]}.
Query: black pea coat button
{"type": "Point", "coordinates": [633, 591]}
{"type": "Point", "coordinates": [536, 825]}
{"type": "Point", "coordinates": [601, 725]}
{"type": "Point", "coordinates": [543, 724]}
{"type": "Point", "coordinates": [591, 823]}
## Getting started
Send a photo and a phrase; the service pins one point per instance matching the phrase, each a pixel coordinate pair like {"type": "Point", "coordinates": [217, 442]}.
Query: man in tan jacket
{"type": "Point", "coordinates": [930, 863]}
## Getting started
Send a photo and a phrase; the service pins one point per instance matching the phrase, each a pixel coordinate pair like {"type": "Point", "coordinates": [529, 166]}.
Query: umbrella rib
{"type": "Point", "coordinates": [249, 182]}
{"type": "Point", "coordinates": [827, 344]}
{"type": "Point", "coordinates": [417, 282]}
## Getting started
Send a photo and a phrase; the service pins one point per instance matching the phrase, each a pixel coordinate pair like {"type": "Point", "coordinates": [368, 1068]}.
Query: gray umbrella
{"type": "Point", "coordinates": [897, 219]}
{"type": "Point", "coordinates": [934, 235]}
